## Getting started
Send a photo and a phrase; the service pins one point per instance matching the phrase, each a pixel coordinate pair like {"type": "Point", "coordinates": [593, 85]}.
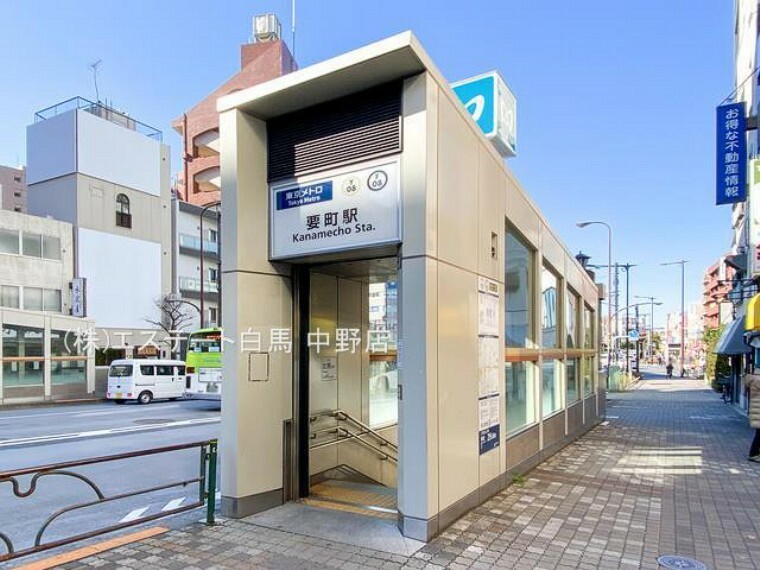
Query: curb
{"type": "Point", "coordinates": [50, 404]}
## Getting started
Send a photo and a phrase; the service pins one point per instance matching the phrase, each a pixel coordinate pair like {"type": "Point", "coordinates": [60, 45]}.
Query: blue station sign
{"type": "Point", "coordinates": [731, 151]}
{"type": "Point", "coordinates": [304, 195]}
{"type": "Point", "coordinates": [493, 107]}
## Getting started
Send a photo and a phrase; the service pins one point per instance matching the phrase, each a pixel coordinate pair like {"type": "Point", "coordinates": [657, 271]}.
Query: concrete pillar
{"type": "Point", "coordinates": [257, 385]}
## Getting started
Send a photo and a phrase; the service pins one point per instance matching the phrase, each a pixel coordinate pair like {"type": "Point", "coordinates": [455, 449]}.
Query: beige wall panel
{"type": "Point", "coordinates": [364, 460]}
{"type": "Point", "coordinates": [351, 381]}
{"type": "Point", "coordinates": [246, 205]}
{"type": "Point", "coordinates": [418, 376]}
{"type": "Point", "coordinates": [522, 446]}
{"type": "Point", "coordinates": [320, 460]}
{"type": "Point", "coordinates": [457, 189]}
{"type": "Point", "coordinates": [552, 250]}
{"type": "Point", "coordinates": [457, 383]}
{"type": "Point", "coordinates": [419, 164]}
{"type": "Point", "coordinates": [491, 211]}
{"type": "Point", "coordinates": [490, 466]}
{"type": "Point", "coordinates": [521, 214]}
{"type": "Point", "coordinates": [253, 414]}
{"type": "Point", "coordinates": [323, 291]}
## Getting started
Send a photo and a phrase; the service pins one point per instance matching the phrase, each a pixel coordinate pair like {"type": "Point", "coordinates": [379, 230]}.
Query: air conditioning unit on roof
{"type": "Point", "coordinates": [266, 28]}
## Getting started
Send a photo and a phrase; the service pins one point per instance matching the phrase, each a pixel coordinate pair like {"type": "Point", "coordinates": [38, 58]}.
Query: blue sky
{"type": "Point", "coordinates": [615, 100]}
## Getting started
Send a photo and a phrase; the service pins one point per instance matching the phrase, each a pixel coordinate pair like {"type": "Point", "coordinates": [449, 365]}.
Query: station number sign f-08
{"type": "Point", "coordinates": [335, 211]}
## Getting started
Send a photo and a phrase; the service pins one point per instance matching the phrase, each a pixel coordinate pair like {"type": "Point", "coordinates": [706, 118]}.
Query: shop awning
{"type": "Point", "coordinates": [753, 314]}
{"type": "Point", "coordinates": [731, 342]}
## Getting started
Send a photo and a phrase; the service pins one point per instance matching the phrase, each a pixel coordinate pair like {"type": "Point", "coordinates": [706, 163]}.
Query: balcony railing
{"type": "Point", "coordinates": [99, 110]}
{"type": "Point", "coordinates": [194, 284]}
{"type": "Point", "coordinates": [194, 242]}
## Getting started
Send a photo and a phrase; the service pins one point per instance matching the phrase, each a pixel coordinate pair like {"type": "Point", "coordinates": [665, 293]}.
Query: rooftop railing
{"type": "Point", "coordinates": [99, 110]}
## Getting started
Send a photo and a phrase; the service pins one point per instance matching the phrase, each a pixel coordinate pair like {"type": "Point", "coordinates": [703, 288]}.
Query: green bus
{"type": "Point", "coordinates": [204, 364]}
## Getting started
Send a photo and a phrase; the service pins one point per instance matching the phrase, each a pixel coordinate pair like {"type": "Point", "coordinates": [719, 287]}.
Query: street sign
{"type": "Point", "coordinates": [731, 154]}
{"type": "Point", "coordinates": [493, 107]}
{"type": "Point", "coordinates": [79, 297]}
{"type": "Point", "coordinates": [633, 334]}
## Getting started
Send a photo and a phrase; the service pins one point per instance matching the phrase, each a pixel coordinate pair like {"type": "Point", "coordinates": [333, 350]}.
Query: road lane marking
{"type": "Point", "coordinates": [78, 413]}
{"type": "Point", "coordinates": [41, 439]}
{"type": "Point", "coordinates": [173, 504]}
{"type": "Point", "coordinates": [134, 515]}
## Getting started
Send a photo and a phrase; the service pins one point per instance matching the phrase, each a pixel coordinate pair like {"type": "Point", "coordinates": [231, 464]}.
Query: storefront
{"type": "Point", "coordinates": [404, 322]}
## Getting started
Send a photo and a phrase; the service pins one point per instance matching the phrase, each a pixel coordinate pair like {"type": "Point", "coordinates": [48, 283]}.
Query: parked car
{"type": "Point", "coordinates": [145, 380]}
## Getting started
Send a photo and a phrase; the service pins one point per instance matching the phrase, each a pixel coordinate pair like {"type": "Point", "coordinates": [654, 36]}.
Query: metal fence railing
{"type": "Point", "coordinates": [206, 481]}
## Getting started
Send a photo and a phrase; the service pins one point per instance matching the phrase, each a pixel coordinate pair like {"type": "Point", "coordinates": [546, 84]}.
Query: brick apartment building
{"type": "Point", "coordinates": [13, 189]}
{"type": "Point", "coordinates": [266, 58]}
{"type": "Point", "coordinates": [715, 287]}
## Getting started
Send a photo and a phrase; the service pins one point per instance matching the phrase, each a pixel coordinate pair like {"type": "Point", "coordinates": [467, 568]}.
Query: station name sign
{"type": "Point", "coordinates": [335, 211]}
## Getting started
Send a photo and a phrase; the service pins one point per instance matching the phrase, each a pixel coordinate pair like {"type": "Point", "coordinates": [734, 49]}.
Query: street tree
{"type": "Point", "coordinates": [172, 319]}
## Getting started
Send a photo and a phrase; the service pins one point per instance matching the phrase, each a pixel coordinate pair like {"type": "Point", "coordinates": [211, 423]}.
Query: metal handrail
{"type": "Point", "coordinates": [206, 481]}
{"type": "Point", "coordinates": [383, 454]}
{"type": "Point", "coordinates": [341, 415]}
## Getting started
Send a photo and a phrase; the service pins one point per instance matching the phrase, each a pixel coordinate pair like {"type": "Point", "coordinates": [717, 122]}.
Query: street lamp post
{"type": "Point", "coordinates": [650, 348]}
{"type": "Point", "coordinates": [609, 277]}
{"type": "Point", "coordinates": [203, 213]}
{"type": "Point", "coordinates": [627, 267]}
{"type": "Point", "coordinates": [682, 263]}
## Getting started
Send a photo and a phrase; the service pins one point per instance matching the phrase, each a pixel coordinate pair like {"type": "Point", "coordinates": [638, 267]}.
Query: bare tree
{"type": "Point", "coordinates": [171, 319]}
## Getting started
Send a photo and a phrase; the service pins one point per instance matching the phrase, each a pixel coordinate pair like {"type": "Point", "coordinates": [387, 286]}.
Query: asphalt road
{"type": "Point", "coordinates": [44, 435]}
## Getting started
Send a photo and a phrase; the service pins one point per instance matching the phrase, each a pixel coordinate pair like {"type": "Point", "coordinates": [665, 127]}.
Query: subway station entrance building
{"type": "Point", "coordinates": [409, 333]}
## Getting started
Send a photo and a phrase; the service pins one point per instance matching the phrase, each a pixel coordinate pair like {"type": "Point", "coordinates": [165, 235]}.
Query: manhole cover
{"type": "Point", "coordinates": [680, 563]}
{"type": "Point", "coordinates": [150, 421]}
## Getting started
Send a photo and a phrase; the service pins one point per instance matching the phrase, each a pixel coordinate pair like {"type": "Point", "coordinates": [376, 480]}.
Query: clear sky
{"type": "Point", "coordinates": [615, 99]}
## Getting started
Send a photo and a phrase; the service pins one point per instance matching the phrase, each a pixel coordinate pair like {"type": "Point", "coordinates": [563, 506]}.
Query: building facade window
{"type": "Point", "coordinates": [571, 373]}
{"type": "Point", "coordinates": [69, 366]}
{"type": "Point", "coordinates": [213, 274]}
{"type": "Point", "coordinates": [9, 297]}
{"type": "Point", "coordinates": [520, 395]}
{"type": "Point", "coordinates": [213, 236]}
{"type": "Point", "coordinates": [32, 244]}
{"type": "Point", "coordinates": [123, 211]}
{"type": "Point", "coordinates": [571, 320]}
{"type": "Point", "coordinates": [213, 316]}
{"type": "Point", "coordinates": [51, 248]}
{"type": "Point", "coordinates": [589, 341]}
{"type": "Point", "coordinates": [551, 383]}
{"type": "Point", "coordinates": [23, 357]}
{"type": "Point", "coordinates": [38, 299]}
{"type": "Point", "coordinates": [518, 293]}
{"type": "Point", "coordinates": [32, 298]}
{"type": "Point", "coordinates": [549, 309]}
{"type": "Point", "coordinates": [9, 241]}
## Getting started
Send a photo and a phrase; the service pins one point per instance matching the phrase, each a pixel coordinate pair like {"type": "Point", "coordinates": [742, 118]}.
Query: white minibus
{"type": "Point", "coordinates": [144, 380]}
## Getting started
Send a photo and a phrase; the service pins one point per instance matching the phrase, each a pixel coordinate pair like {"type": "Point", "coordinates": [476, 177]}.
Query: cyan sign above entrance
{"type": "Point", "coordinates": [493, 107]}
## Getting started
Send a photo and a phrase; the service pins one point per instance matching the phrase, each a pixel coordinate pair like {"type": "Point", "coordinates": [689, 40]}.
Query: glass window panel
{"type": "Point", "coordinates": [164, 370]}
{"type": "Point", "coordinates": [549, 317]}
{"type": "Point", "coordinates": [51, 247]}
{"type": "Point", "coordinates": [23, 342]}
{"type": "Point", "coordinates": [51, 300]}
{"type": "Point", "coordinates": [588, 375]}
{"type": "Point", "coordinates": [588, 328]}
{"type": "Point", "coordinates": [383, 370]}
{"type": "Point", "coordinates": [518, 294]}
{"type": "Point", "coordinates": [9, 296]}
{"type": "Point", "coordinates": [67, 372]}
{"type": "Point", "coordinates": [520, 395]}
{"type": "Point", "coordinates": [571, 369]}
{"type": "Point", "coordinates": [65, 343]}
{"type": "Point", "coordinates": [147, 370]}
{"type": "Point", "coordinates": [550, 379]}
{"type": "Point", "coordinates": [9, 241]}
{"type": "Point", "coordinates": [32, 244]}
{"type": "Point", "coordinates": [32, 299]}
{"type": "Point", "coordinates": [571, 320]}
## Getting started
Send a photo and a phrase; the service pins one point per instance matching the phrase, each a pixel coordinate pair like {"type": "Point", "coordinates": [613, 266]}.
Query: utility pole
{"type": "Point", "coordinates": [627, 267]}
{"type": "Point", "coordinates": [650, 347]}
{"type": "Point", "coordinates": [682, 263]}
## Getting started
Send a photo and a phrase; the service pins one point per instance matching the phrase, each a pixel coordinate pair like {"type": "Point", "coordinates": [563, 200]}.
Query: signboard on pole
{"type": "Point", "coordinates": [493, 107]}
{"type": "Point", "coordinates": [336, 211]}
{"type": "Point", "coordinates": [731, 153]}
{"type": "Point", "coordinates": [79, 297]}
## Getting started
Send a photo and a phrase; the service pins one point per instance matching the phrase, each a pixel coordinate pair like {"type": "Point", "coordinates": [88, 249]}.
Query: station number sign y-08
{"type": "Point", "coordinates": [349, 209]}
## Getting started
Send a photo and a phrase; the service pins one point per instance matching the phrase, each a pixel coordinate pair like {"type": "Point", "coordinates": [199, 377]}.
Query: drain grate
{"type": "Point", "coordinates": [150, 421]}
{"type": "Point", "coordinates": [680, 563]}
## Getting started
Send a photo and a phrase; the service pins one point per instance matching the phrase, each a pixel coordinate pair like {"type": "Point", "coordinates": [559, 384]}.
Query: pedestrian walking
{"type": "Point", "coordinates": [752, 381]}
{"type": "Point", "coordinates": [669, 370]}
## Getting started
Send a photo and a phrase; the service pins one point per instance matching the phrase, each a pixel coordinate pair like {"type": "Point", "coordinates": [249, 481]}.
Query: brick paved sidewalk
{"type": "Point", "coordinates": [667, 474]}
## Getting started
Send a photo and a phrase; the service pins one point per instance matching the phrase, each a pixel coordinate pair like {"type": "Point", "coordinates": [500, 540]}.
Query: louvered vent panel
{"type": "Point", "coordinates": [350, 129]}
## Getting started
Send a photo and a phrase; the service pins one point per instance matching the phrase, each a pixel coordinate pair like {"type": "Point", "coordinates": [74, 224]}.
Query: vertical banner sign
{"type": "Point", "coordinates": [731, 171]}
{"type": "Point", "coordinates": [78, 297]}
{"type": "Point", "coordinates": [489, 366]}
